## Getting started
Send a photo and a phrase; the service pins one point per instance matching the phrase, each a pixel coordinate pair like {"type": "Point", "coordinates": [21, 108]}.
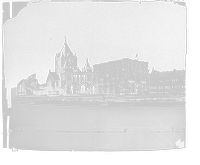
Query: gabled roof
{"type": "Point", "coordinates": [21, 82]}
{"type": "Point", "coordinates": [87, 65]}
{"type": "Point", "coordinates": [33, 76]}
{"type": "Point", "coordinates": [54, 75]}
{"type": "Point", "coordinates": [174, 71]}
{"type": "Point", "coordinates": [65, 50]}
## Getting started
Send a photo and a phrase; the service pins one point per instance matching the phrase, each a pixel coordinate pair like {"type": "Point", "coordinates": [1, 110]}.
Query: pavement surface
{"type": "Point", "coordinates": [90, 126]}
{"type": "Point", "coordinates": [96, 128]}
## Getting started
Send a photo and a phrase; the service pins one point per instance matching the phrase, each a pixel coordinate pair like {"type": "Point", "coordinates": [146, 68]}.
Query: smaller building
{"type": "Point", "coordinates": [53, 81]}
{"type": "Point", "coordinates": [28, 86]}
{"type": "Point", "coordinates": [167, 82]}
{"type": "Point", "coordinates": [21, 88]}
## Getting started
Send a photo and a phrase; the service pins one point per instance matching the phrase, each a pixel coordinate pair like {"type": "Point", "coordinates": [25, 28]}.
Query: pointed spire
{"type": "Point", "coordinates": [67, 49]}
{"type": "Point", "coordinates": [87, 66]}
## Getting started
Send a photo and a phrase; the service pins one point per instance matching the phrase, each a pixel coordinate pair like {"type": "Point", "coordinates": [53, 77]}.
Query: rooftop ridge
{"type": "Point", "coordinates": [119, 60]}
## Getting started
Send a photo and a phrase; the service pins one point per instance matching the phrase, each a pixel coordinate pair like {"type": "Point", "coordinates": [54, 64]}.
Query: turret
{"type": "Point", "coordinates": [87, 67]}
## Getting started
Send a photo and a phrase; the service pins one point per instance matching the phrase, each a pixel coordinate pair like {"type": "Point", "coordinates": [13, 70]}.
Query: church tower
{"type": "Point", "coordinates": [65, 60]}
{"type": "Point", "coordinates": [73, 80]}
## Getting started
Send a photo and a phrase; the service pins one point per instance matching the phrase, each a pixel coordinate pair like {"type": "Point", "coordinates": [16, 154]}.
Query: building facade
{"type": "Point", "coordinates": [73, 79]}
{"type": "Point", "coordinates": [167, 82]}
{"type": "Point", "coordinates": [53, 81]}
{"type": "Point", "coordinates": [124, 76]}
{"type": "Point", "coordinates": [28, 86]}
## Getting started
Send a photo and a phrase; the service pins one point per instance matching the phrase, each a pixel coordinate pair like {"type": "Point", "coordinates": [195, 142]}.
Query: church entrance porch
{"type": "Point", "coordinates": [83, 89]}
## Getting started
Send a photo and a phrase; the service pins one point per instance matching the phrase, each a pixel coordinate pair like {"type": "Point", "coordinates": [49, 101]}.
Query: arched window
{"type": "Point", "coordinates": [84, 78]}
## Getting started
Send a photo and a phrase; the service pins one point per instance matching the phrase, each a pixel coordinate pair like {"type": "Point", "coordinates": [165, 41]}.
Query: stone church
{"type": "Point", "coordinates": [71, 79]}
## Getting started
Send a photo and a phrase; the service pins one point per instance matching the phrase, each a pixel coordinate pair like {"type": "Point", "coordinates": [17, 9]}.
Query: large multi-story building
{"type": "Point", "coordinates": [73, 80]}
{"type": "Point", "coordinates": [167, 82]}
{"type": "Point", "coordinates": [124, 76]}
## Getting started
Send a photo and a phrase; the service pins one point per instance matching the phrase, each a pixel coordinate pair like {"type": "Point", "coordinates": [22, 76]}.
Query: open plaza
{"type": "Point", "coordinates": [92, 127]}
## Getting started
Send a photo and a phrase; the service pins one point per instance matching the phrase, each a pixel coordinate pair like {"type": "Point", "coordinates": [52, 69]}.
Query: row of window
{"type": "Point", "coordinates": [119, 68]}
{"type": "Point", "coordinates": [78, 78]}
{"type": "Point", "coordinates": [160, 87]}
{"type": "Point", "coordinates": [166, 87]}
{"type": "Point", "coordinates": [160, 92]}
{"type": "Point", "coordinates": [119, 64]}
{"type": "Point", "coordinates": [173, 80]}
{"type": "Point", "coordinates": [110, 86]}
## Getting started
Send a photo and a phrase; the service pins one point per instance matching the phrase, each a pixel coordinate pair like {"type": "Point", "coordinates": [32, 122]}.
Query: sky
{"type": "Point", "coordinates": [156, 31]}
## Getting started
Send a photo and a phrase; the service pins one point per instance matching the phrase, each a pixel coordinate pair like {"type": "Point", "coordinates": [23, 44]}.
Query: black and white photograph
{"type": "Point", "coordinates": [94, 76]}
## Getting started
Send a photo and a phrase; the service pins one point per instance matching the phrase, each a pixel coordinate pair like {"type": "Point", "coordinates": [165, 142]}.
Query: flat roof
{"type": "Point", "coordinates": [119, 60]}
